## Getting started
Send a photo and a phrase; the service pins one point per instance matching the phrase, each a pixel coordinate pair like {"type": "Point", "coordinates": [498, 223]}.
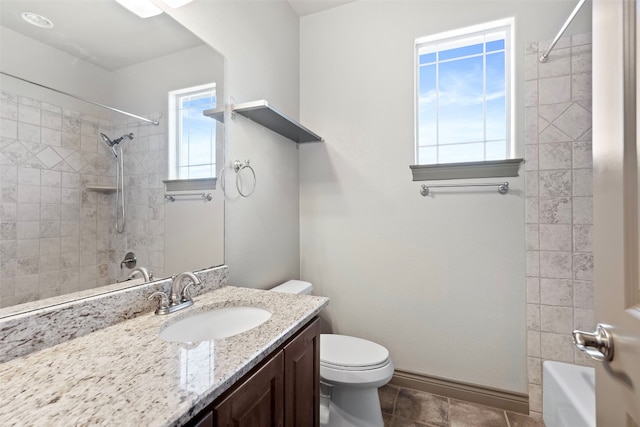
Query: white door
{"type": "Point", "coordinates": [616, 208]}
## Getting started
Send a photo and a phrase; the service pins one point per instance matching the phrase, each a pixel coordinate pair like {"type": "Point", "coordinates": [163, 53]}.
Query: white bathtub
{"type": "Point", "coordinates": [568, 395]}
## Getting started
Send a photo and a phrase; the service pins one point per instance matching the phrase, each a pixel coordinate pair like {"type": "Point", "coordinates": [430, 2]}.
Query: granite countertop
{"type": "Point", "coordinates": [127, 375]}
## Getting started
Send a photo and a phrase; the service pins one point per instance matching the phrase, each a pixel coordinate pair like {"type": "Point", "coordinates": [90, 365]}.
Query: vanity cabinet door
{"type": "Point", "coordinates": [258, 402]}
{"type": "Point", "coordinates": [205, 420]}
{"type": "Point", "coordinates": [302, 378]}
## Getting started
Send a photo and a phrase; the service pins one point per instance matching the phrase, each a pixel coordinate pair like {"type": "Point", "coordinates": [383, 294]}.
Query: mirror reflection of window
{"type": "Point", "coordinates": [192, 136]}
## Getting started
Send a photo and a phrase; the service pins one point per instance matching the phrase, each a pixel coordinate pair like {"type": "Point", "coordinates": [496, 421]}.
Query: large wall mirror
{"type": "Point", "coordinates": [61, 223]}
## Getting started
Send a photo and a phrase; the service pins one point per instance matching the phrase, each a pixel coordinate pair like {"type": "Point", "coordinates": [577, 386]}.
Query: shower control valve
{"type": "Point", "coordinates": [129, 260]}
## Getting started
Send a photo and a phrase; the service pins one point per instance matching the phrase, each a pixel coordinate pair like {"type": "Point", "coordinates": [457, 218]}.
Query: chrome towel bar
{"type": "Point", "coordinates": [503, 187]}
{"type": "Point", "coordinates": [172, 197]}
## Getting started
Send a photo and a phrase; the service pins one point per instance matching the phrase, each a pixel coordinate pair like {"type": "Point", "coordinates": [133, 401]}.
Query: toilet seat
{"type": "Point", "coordinates": [346, 353]}
{"type": "Point", "coordinates": [353, 368]}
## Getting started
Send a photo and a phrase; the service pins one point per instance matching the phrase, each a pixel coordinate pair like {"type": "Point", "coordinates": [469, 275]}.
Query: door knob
{"type": "Point", "coordinates": [598, 345]}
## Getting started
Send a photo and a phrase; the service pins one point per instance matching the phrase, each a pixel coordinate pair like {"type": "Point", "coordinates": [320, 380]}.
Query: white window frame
{"type": "Point", "coordinates": [449, 39]}
{"type": "Point", "coordinates": [175, 130]}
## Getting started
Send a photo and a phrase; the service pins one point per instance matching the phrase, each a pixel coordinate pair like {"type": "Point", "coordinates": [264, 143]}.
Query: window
{"type": "Point", "coordinates": [192, 136]}
{"type": "Point", "coordinates": [463, 95]}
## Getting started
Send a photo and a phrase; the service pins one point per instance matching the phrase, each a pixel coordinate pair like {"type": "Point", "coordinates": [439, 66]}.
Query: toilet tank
{"type": "Point", "coordinates": [295, 287]}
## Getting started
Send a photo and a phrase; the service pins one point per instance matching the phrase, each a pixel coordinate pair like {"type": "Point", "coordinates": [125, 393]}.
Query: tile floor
{"type": "Point", "coordinates": [403, 407]}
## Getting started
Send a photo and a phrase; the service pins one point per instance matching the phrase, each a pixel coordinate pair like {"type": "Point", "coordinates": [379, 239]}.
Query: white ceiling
{"type": "Point", "coordinates": [99, 31]}
{"type": "Point", "coordinates": [307, 7]}
{"type": "Point", "coordinates": [104, 33]}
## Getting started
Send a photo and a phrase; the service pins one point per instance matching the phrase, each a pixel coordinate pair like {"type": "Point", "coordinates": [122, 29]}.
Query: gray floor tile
{"type": "Point", "coordinates": [399, 422]}
{"type": "Point", "coordinates": [466, 414]}
{"type": "Point", "coordinates": [421, 407]}
{"type": "Point", "coordinates": [402, 407]}
{"type": "Point", "coordinates": [388, 395]}
{"type": "Point", "coordinates": [520, 420]}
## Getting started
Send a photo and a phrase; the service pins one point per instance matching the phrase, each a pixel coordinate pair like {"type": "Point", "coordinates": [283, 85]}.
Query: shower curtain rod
{"type": "Point", "coordinates": [153, 122]}
{"type": "Point", "coordinates": [545, 55]}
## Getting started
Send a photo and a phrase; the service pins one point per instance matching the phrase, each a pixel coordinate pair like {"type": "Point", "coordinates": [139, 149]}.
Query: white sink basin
{"type": "Point", "coordinates": [215, 324]}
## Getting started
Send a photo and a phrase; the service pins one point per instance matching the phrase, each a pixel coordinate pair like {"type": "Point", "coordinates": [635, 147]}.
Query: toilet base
{"type": "Point", "coordinates": [352, 407]}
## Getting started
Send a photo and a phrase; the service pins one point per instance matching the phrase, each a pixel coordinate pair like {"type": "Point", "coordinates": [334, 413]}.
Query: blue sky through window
{"type": "Point", "coordinates": [462, 99]}
{"type": "Point", "coordinates": [197, 135]}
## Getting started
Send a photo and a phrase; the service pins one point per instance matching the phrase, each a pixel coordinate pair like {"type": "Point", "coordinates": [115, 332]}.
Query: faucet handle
{"type": "Point", "coordinates": [163, 302]}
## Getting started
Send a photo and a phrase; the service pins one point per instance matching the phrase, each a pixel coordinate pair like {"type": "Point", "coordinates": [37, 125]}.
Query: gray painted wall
{"type": "Point", "coordinates": [260, 43]}
{"type": "Point", "coordinates": [440, 281]}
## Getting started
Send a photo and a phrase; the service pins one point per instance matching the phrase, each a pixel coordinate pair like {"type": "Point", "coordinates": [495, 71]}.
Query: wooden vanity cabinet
{"type": "Point", "coordinates": [302, 378]}
{"type": "Point", "coordinates": [258, 401]}
{"type": "Point", "coordinates": [282, 391]}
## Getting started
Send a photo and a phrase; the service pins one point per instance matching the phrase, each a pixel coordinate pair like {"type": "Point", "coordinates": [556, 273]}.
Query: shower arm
{"type": "Point", "coordinates": [153, 122]}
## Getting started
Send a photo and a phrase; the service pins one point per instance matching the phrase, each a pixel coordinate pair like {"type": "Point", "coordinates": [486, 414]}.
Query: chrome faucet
{"type": "Point", "coordinates": [179, 296]}
{"type": "Point", "coordinates": [146, 274]}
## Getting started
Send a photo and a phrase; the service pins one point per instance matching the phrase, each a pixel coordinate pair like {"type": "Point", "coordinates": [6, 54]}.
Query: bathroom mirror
{"type": "Point", "coordinates": [58, 158]}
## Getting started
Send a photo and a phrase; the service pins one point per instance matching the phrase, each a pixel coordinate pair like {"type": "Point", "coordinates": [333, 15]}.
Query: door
{"type": "Point", "coordinates": [616, 207]}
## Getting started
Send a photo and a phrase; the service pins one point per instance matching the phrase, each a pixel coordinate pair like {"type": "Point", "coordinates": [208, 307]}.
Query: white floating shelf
{"type": "Point", "coordinates": [270, 117]}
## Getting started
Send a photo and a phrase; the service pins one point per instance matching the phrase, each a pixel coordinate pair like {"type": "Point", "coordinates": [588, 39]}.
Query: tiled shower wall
{"type": "Point", "coordinates": [558, 176]}
{"type": "Point", "coordinates": [56, 236]}
{"type": "Point", "coordinates": [145, 168]}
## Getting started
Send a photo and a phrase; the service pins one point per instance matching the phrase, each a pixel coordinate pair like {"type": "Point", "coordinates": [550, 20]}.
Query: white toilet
{"type": "Point", "coordinates": [351, 370]}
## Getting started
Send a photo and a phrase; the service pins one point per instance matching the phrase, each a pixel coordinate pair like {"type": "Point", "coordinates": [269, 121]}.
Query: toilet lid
{"type": "Point", "coordinates": [351, 352]}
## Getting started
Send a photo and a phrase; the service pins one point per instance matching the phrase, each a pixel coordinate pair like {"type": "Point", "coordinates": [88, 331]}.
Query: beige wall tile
{"type": "Point", "coordinates": [583, 210]}
{"type": "Point", "coordinates": [555, 210]}
{"type": "Point", "coordinates": [555, 265]}
{"type": "Point", "coordinates": [555, 155]}
{"type": "Point", "coordinates": [556, 292]}
{"type": "Point", "coordinates": [556, 183]}
{"type": "Point", "coordinates": [583, 266]}
{"type": "Point", "coordinates": [583, 294]}
{"type": "Point", "coordinates": [558, 64]}
{"type": "Point", "coordinates": [555, 237]}
{"type": "Point", "coordinates": [556, 319]}
{"type": "Point", "coordinates": [556, 347]}
{"type": "Point", "coordinates": [534, 370]}
{"type": "Point", "coordinates": [554, 90]}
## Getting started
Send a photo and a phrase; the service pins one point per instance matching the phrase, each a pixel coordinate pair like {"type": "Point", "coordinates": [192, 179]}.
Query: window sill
{"type": "Point", "coordinates": [488, 169]}
{"type": "Point", "coordinates": [190, 184]}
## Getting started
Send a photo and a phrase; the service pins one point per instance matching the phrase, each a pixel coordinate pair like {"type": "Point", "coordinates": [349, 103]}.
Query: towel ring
{"type": "Point", "coordinates": [238, 167]}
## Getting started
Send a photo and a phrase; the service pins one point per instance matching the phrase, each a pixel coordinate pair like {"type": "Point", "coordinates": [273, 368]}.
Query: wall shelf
{"type": "Point", "coordinates": [270, 117]}
{"type": "Point", "coordinates": [215, 114]}
{"type": "Point", "coordinates": [106, 189]}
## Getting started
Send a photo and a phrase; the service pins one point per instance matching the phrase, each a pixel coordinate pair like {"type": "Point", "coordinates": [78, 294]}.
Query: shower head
{"type": "Point", "coordinates": [126, 135]}
{"type": "Point", "coordinates": [106, 139]}
{"type": "Point", "coordinates": [113, 143]}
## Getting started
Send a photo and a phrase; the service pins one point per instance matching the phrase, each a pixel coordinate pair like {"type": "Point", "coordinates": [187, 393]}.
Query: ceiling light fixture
{"type": "Point", "coordinates": [142, 8]}
{"type": "Point", "coordinates": [177, 3]}
{"type": "Point", "coordinates": [37, 20]}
